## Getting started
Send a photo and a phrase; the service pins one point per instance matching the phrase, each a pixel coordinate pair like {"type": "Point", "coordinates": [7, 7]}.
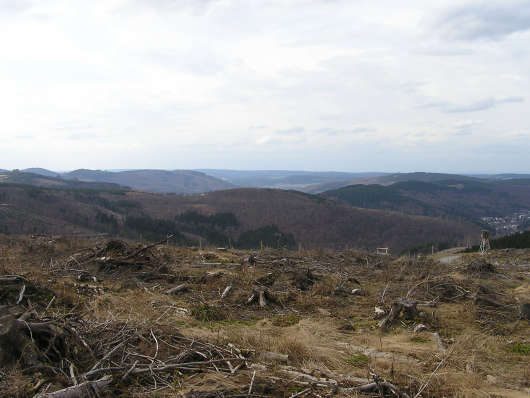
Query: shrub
{"type": "Point", "coordinates": [286, 320]}
{"type": "Point", "coordinates": [519, 348]}
{"type": "Point", "coordinates": [208, 313]}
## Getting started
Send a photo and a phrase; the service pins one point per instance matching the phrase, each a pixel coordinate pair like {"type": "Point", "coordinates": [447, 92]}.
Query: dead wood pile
{"type": "Point", "coordinates": [480, 266]}
{"type": "Point", "coordinates": [114, 258]}
{"type": "Point", "coordinates": [71, 354]}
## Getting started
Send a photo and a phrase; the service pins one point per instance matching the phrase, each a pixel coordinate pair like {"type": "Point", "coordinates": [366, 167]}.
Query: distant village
{"type": "Point", "coordinates": [517, 222]}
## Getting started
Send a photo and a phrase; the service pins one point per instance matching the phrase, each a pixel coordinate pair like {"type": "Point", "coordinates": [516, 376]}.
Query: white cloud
{"type": "Point", "coordinates": [298, 84]}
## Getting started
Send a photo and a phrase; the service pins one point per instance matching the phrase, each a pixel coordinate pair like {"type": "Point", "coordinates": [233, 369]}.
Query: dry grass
{"type": "Point", "coordinates": [313, 340]}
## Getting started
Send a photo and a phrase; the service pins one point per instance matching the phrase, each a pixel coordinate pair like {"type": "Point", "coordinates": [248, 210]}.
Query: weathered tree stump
{"type": "Point", "coordinates": [401, 306]}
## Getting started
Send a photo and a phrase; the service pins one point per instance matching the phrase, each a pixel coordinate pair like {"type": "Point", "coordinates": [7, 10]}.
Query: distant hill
{"type": "Point", "coordinates": [159, 181]}
{"type": "Point", "coordinates": [42, 172]}
{"type": "Point", "coordinates": [501, 176]}
{"type": "Point", "coordinates": [39, 180]}
{"type": "Point", "coordinates": [284, 179]}
{"type": "Point", "coordinates": [386, 179]}
{"type": "Point", "coordinates": [463, 197]}
{"type": "Point", "coordinates": [421, 177]}
{"type": "Point", "coordinates": [221, 217]}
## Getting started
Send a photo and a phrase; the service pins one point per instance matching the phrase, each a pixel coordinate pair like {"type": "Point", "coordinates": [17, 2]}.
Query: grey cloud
{"type": "Point", "coordinates": [14, 6]}
{"type": "Point", "coordinates": [193, 62]}
{"type": "Point", "coordinates": [357, 130]}
{"type": "Point", "coordinates": [195, 7]}
{"type": "Point", "coordinates": [466, 127]}
{"type": "Point", "coordinates": [481, 105]}
{"type": "Point", "coordinates": [511, 99]}
{"type": "Point", "coordinates": [488, 103]}
{"type": "Point", "coordinates": [436, 51]}
{"type": "Point", "coordinates": [331, 117]}
{"type": "Point", "coordinates": [75, 126]}
{"type": "Point", "coordinates": [363, 130]}
{"type": "Point", "coordinates": [82, 136]}
{"type": "Point", "coordinates": [327, 130]}
{"type": "Point", "coordinates": [293, 130]}
{"type": "Point", "coordinates": [411, 87]}
{"type": "Point", "coordinates": [486, 20]}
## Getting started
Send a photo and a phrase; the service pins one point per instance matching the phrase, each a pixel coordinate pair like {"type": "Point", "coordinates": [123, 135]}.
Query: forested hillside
{"type": "Point", "coordinates": [249, 216]}
{"type": "Point", "coordinates": [458, 199]}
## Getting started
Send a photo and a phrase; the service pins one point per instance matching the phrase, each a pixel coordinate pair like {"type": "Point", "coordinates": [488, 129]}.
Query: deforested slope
{"type": "Point", "coordinates": [314, 221]}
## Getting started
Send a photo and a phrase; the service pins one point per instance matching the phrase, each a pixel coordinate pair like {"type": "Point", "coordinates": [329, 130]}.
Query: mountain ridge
{"type": "Point", "coordinates": [469, 199]}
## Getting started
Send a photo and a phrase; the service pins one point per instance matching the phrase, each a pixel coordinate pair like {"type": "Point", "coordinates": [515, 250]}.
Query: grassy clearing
{"type": "Point", "coordinates": [358, 360]}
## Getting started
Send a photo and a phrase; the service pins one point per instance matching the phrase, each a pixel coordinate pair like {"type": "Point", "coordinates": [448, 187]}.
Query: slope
{"type": "Point", "coordinates": [311, 220]}
{"type": "Point", "coordinates": [314, 221]}
{"type": "Point", "coordinates": [159, 181]}
{"type": "Point", "coordinates": [456, 198]}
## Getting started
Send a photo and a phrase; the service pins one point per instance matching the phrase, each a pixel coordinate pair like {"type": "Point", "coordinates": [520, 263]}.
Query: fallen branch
{"type": "Point", "coordinates": [298, 394]}
{"type": "Point", "coordinates": [21, 294]}
{"type": "Point", "coordinates": [107, 355]}
{"type": "Point", "coordinates": [226, 291]}
{"type": "Point", "coordinates": [147, 247]}
{"type": "Point", "coordinates": [251, 383]}
{"type": "Point", "coordinates": [262, 300]}
{"type": "Point", "coordinates": [376, 385]}
{"type": "Point", "coordinates": [177, 289]}
{"type": "Point", "coordinates": [252, 298]}
{"type": "Point", "coordinates": [424, 386]}
{"type": "Point", "coordinates": [86, 389]}
{"type": "Point", "coordinates": [382, 299]}
{"type": "Point", "coordinates": [164, 368]}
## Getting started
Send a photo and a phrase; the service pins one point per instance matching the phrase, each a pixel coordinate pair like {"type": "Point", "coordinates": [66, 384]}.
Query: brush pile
{"type": "Point", "coordinates": [117, 318]}
{"type": "Point", "coordinates": [480, 267]}
{"type": "Point", "coordinates": [114, 259]}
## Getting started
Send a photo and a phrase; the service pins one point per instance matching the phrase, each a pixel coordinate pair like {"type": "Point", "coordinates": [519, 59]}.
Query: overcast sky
{"type": "Point", "coordinates": [351, 85]}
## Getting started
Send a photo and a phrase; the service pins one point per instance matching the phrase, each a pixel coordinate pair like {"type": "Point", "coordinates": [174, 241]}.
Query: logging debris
{"type": "Point", "coordinates": [167, 321]}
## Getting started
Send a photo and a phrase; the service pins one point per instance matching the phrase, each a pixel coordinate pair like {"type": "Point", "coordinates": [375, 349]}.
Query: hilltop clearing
{"type": "Point", "coordinates": [122, 318]}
